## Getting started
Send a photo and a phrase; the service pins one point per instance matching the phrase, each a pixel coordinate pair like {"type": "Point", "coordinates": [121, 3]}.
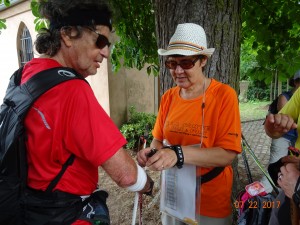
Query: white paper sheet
{"type": "Point", "coordinates": [178, 194]}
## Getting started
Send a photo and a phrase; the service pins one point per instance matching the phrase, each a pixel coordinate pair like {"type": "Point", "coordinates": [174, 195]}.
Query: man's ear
{"type": "Point", "coordinates": [65, 36]}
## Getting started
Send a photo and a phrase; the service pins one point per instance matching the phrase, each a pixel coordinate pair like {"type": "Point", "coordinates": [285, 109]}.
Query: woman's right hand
{"type": "Point", "coordinates": [142, 156]}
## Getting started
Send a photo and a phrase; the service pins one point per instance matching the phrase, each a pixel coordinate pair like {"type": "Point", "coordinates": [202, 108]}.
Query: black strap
{"type": "Point", "coordinates": [45, 80]}
{"type": "Point", "coordinates": [54, 182]}
{"type": "Point", "coordinates": [211, 174]}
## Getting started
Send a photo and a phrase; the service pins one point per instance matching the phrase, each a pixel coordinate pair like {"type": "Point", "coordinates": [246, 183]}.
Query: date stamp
{"type": "Point", "coordinates": [254, 204]}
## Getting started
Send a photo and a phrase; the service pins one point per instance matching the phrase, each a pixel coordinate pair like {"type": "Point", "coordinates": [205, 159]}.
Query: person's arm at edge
{"type": "Point", "coordinates": [278, 124]}
{"type": "Point", "coordinates": [281, 102]}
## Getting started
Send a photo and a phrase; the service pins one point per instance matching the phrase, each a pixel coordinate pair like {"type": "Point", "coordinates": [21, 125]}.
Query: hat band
{"type": "Point", "coordinates": [180, 45]}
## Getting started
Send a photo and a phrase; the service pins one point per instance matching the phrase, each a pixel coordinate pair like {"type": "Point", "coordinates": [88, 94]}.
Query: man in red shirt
{"type": "Point", "coordinates": [67, 119]}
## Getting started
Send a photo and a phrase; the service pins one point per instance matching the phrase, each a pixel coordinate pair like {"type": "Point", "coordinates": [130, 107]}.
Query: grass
{"type": "Point", "coordinates": [254, 110]}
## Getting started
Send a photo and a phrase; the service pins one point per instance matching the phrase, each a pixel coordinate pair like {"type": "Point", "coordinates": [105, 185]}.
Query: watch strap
{"type": "Point", "coordinates": [179, 153]}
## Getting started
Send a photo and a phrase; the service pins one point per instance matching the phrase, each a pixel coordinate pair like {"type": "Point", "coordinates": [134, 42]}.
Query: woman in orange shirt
{"type": "Point", "coordinates": [200, 118]}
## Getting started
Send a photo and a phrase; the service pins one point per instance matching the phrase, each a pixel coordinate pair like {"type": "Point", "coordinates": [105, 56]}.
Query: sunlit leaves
{"type": "Point", "coordinates": [40, 23]}
{"type": "Point", "coordinates": [2, 24]}
{"type": "Point", "coordinates": [35, 8]}
{"type": "Point", "coordinates": [275, 26]}
{"type": "Point", "coordinates": [2, 21]}
{"type": "Point", "coordinates": [6, 2]}
{"type": "Point", "coordinates": [135, 26]}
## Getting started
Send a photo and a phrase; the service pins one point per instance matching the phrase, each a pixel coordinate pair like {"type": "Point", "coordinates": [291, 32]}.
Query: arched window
{"type": "Point", "coordinates": [25, 50]}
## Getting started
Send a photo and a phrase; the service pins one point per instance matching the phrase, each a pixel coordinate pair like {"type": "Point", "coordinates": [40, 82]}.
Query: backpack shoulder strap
{"type": "Point", "coordinates": [54, 182]}
{"type": "Point", "coordinates": [45, 80]}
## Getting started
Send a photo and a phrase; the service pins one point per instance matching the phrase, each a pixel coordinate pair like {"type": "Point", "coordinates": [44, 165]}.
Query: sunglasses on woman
{"type": "Point", "coordinates": [184, 64]}
{"type": "Point", "coordinates": [102, 41]}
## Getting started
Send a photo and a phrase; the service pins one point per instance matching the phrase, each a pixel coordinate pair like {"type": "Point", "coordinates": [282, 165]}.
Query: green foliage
{"type": "Point", "coordinates": [2, 24]}
{"type": "Point", "coordinates": [6, 2]}
{"type": "Point", "coordinates": [38, 21]}
{"type": "Point", "coordinates": [137, 125]}
{"type": "Point", "coordinates": [270, 28]}
{"type": "Point", "coordinates": [2, 21]}
{"type": "Point", "coordinates": [135, 26]}
{"type": "Point", "coordinates": [248, 61]}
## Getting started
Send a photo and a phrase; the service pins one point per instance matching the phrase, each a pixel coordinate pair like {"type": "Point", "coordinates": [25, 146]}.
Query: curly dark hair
{"type": "Point", "coordinates": [65, 15]}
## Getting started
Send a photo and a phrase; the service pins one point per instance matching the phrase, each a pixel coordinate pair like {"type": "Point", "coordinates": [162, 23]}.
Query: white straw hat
{"type": "Point", "coordinates": [188, 39]}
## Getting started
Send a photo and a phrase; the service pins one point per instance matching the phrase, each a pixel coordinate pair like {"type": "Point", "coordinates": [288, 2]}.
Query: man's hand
{"type": "Point", "coordinates": [278, 124]}
{"type": "Point", "coordinates": [287, 178]}
{"type": "Point", "coordinates": [291, 159]}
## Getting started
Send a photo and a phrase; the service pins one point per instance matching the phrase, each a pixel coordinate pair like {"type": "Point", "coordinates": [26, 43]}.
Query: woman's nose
{"type": "Point", "coordinates": [179, 69]}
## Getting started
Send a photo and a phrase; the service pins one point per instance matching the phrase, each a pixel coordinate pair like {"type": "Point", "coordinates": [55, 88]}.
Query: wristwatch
{"type": "Point", "coordinates": [296, 195]}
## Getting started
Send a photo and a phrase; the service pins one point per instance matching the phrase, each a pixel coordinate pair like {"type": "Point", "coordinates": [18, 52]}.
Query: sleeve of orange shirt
{"type": "Point", "coordinates": [228, 132]}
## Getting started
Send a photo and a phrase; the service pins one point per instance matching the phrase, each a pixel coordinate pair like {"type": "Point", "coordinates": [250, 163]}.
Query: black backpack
{"type": "Point", "coordinates": [13, 162]}
{"type": "Point", "coordinates": [256, 210]}
{"type": "Point", "coordinates": [273, 106]}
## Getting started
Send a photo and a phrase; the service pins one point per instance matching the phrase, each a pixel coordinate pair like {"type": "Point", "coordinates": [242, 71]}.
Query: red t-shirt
{"type": "Point", "coordinates": [67, 120]}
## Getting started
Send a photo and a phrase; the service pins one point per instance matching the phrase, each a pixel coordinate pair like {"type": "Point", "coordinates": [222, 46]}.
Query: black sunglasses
{"type": "Point", "coordinates": [102, 41]}
{"type": "Point", "coordinates": [184, 64]}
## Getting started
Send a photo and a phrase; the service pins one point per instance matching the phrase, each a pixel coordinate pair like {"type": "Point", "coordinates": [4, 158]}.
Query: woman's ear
{"type": "Point", "coordinates": [203, 61]}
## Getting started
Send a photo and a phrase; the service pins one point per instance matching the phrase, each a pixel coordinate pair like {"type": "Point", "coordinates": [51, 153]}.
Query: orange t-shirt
{"type": "Point", "coordinates": [180, 122]}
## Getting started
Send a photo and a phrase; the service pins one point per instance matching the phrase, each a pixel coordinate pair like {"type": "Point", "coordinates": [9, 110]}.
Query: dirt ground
{"type": "Point", "coordinates": [121, 202]}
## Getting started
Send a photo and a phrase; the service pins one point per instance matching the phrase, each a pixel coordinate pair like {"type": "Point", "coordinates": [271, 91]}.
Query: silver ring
{"type": "Point", "coordinates": [279, 177]}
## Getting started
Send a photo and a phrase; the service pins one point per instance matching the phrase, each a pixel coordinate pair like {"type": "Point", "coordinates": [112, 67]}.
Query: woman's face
{"type": "Point", "coordinates": [183, 72]}
{"type": "Point", "coordinates": [84, 54]}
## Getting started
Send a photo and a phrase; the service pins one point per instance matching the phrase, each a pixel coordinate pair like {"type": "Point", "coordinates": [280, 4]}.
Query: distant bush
{"type": "Point", "coordinates": [136, 126]}
{"type": "Point", "coordinates": [258, 90]}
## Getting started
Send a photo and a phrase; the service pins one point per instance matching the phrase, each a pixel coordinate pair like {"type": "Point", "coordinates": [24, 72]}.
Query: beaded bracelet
{"type": "Point", "coordinates": [179, 153]}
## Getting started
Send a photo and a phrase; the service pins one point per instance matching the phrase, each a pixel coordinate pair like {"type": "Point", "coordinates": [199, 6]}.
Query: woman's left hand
{"type": "Point", "coordinates": [164, 158]}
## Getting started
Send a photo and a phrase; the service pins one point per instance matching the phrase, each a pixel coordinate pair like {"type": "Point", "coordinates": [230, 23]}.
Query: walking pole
{"type": "Point", "coordinates": [246, 164]}
{"type": "Point", "coordinates": [141, 195]}
{"type": "Point", "coordinates": [138, 199]}
{"type": "Point", "coordinates": [251, 152]}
